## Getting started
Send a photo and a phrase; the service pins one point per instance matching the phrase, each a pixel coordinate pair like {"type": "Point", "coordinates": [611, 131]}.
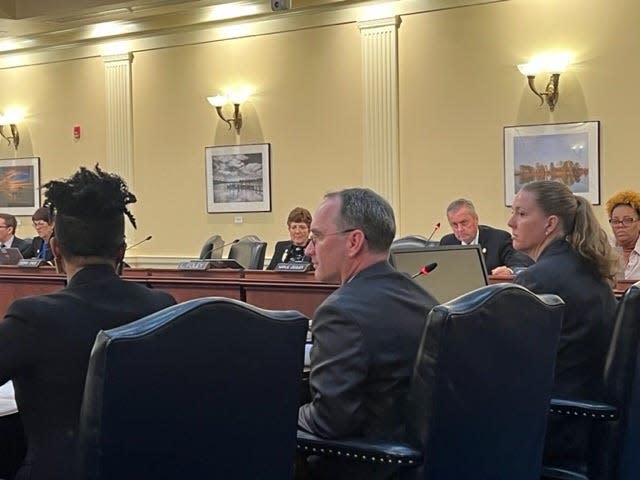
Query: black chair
{"type": "Point", "coordinates": [249, 252]}
{"type": "Point", "coordinates": [614, 444]}
{"type": "Point", "coordinates": [479, 395]}
{"type": "Point", "coordinates": [412, 241]}
{"type": "Point", "coordinates": [205, 389]}
{"type": "Point", "coordinates": [212, 248]}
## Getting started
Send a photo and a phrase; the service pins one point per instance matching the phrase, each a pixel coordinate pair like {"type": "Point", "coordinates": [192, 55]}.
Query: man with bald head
{"type": "Point", "coordinates": [365, 335]}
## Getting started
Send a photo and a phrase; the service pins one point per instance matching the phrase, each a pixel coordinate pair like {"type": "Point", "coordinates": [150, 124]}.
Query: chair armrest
{"type": "Point", "coordinates": [580, 408]}
{"type": "Point", "coordinates": [362, 450]}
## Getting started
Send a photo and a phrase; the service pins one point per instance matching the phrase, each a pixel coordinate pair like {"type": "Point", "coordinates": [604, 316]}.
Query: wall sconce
{"type": "Point", "coordinates": [554, 64]}
{"type": "Point", "coordinates": [236, 98]}
{"type": "Point", "coordinates": [10, 119]}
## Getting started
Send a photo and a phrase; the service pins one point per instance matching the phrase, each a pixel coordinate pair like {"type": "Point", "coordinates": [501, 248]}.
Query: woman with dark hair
{"type": "Point", "coordinates": [624, 217]}
{"type": "Point", "coordinates": [292, 250]}
{"type": "Point", "coordinates": [573, 259]}
{"type": "Point", "coordinates": [45, 340]}
{"type": "Point", "coordinates": [43, 222]}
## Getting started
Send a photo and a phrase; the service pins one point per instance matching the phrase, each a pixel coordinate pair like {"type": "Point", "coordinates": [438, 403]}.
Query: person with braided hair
{"type": "Point", "coordinates": [46, 340]}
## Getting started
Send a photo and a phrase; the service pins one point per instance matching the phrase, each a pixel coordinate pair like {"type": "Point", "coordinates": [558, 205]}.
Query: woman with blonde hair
{"type": "Point", "coordinates": [573, 259]}
{"type": "Point", "coordinates": [624, 215]}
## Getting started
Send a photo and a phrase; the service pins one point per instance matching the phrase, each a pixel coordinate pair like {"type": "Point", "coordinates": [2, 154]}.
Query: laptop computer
{"type": "Point", "coordinates": [460, 268]}
{"type": "Point", "coordinates": [10, 256]}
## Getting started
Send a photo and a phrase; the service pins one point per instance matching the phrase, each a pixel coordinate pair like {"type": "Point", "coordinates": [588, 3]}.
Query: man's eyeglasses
{"type": "Point", "coordinates": [315, 237]}
{"type": "Point", "coordinates": [626, 221]}
{"type": "Point", "coordinates": [4, 226]}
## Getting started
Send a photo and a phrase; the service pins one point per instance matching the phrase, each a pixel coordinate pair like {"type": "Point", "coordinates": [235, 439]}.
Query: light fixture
{"type": "Point", "coordinates": [554, 64]}
{"type": "Point", "coordinates": [236, 98]}
{"type": "Point", "coordinates": [10, 119]}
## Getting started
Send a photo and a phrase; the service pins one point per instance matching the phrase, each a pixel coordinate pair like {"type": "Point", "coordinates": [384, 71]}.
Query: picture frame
{"type": "Point", "coordinates": [20, 185]}
{"type": "Point", "coordinates": [238, 178]}
{"type": "Point", "coordinates": [565, 152]}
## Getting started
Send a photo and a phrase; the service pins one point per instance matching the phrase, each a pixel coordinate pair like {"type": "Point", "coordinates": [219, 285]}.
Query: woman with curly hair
{"type": "Point", "coordinates": [45, 340]}
{"type": "Point", "coordinates": [573, 259]}
{"type": "Point", "coordinates": [624, 217]}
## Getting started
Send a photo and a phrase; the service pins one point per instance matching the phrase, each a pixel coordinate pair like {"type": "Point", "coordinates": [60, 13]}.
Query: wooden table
{"type": "Point", "coordinates": [266, 289]}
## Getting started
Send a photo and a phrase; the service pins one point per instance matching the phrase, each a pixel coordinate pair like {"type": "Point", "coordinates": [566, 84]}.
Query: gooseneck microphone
{"type": "Point", "coordinates": [425, 270]}
{"type": "Point", "coordinates": [139, 243]}
{"type": "Point", "coordinates": [208, 255]}
{"type": "Point", "coordinates": [435, 229]}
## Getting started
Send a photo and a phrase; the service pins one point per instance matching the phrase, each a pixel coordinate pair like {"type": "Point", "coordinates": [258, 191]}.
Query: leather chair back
{"type": "Point", "coordinates": [482, 382]}
{"type": "Point", "coordinates": [617, 442]}
{"type": "Point", "coordinates": [249, 252]}
{"type": "Point", "coordinates": [205, 389]}
{"type": "Point", "coordinates": [212, 248]}
{"type": "Point", "coordinates": [413, 241]}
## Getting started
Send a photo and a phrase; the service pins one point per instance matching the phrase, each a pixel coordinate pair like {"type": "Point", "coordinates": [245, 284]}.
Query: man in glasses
{"type": "Point", "coordinates": [366, 334]}
{"type": "Point", "coordinates": [8, 239]}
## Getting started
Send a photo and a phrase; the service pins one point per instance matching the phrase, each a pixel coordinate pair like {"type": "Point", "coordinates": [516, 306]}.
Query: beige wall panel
{"type": "Point", "coordinates": [306, 104]}
{"type": "Point", "coordinates": [56, 97]}
{"type": "Point", "coordinates": [459, 86]}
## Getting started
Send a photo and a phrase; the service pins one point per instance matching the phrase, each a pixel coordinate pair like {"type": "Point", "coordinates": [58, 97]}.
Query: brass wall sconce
{"type": "Point", "coordinates": [10, 119]}
{"type": "Point", "coordinates": [236, 98]}
{"type": "Point", "coordinates": [554, 64]}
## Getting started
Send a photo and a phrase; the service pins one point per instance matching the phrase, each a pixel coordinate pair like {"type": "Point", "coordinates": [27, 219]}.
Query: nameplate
{"type": "Point", "coordinates": [30, 263]}
{"type": "Point", "coordinates": [194, 265]}
{"type": "Point", "coordinates": [293, 267]}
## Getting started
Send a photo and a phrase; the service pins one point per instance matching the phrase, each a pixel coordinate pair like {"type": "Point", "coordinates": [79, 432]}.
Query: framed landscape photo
{"type": "Point", "coordinates": [238, 178]}
{"type": "Point", "coordinates": [19, 185]}
{"type": "Point", "coordinates": [564, 152]}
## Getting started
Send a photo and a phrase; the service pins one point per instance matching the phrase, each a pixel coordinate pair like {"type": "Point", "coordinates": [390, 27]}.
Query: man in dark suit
{"type": "Point", "coordinates": [499, 255]}
{"type": "Point", "coordinates": [8, 225]}
{"type": "Point", "coordinates": [45, 340]}
{"type": "Point", "coordinates": [365, 335]}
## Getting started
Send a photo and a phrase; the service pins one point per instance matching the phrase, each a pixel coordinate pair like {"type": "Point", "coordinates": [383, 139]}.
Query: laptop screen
{"type": "Point", "coordinates": [460, 269]}
{"type": "Point", "coordinates": [10, 256]}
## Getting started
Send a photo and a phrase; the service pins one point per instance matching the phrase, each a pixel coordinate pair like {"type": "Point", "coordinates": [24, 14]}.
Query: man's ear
{"type": "Point", "coordinates": [355, 242]}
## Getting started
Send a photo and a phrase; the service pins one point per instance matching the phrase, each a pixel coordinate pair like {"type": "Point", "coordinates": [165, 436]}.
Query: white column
{"type": "Point", "coordinates": [379, 46]}
{"type": "Point", "coordinates": [119, 111]}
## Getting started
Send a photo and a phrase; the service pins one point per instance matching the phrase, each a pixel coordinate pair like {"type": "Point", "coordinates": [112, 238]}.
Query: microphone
{"type": "Point", "coordinates": [435, 229]}
{"type": "Point", "coordinates": [139, 243]}
{"type": "Point", "coordinates": [208, 255]}
{"type": "Point", "coordinates": [426, 270]}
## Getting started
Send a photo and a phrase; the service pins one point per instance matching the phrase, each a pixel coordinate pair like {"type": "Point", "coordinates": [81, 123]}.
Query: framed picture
{"type": "Point", "coordinates": [564, 152]}
{"type": "Point", "coordinates": [20, 185]}
{"type": "Point", "coordinates": [238, 178]}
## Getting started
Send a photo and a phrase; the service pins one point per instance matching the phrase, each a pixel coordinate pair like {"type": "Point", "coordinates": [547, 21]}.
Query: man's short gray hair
{"type": "Point", "coordinates": [460, 203]}
{"type": "Point", "coordinates": [365, 210]}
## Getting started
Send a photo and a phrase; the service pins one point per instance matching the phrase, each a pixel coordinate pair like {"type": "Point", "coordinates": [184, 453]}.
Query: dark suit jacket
{"type": "Point", "coordinates": [45, 342]}
{"type": "Point", "coordinates": [497, 247]}
{"type": "Point", "coordinates": [365, 340]}
{"type": "Point", "coordinates": [23, 245]}
{"type": "Point", "coordinates": [279, 254]}
{"type": "Point", "coordinates": [36, 246]}
{"type": "Point", "coordinates": [584, 339]}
